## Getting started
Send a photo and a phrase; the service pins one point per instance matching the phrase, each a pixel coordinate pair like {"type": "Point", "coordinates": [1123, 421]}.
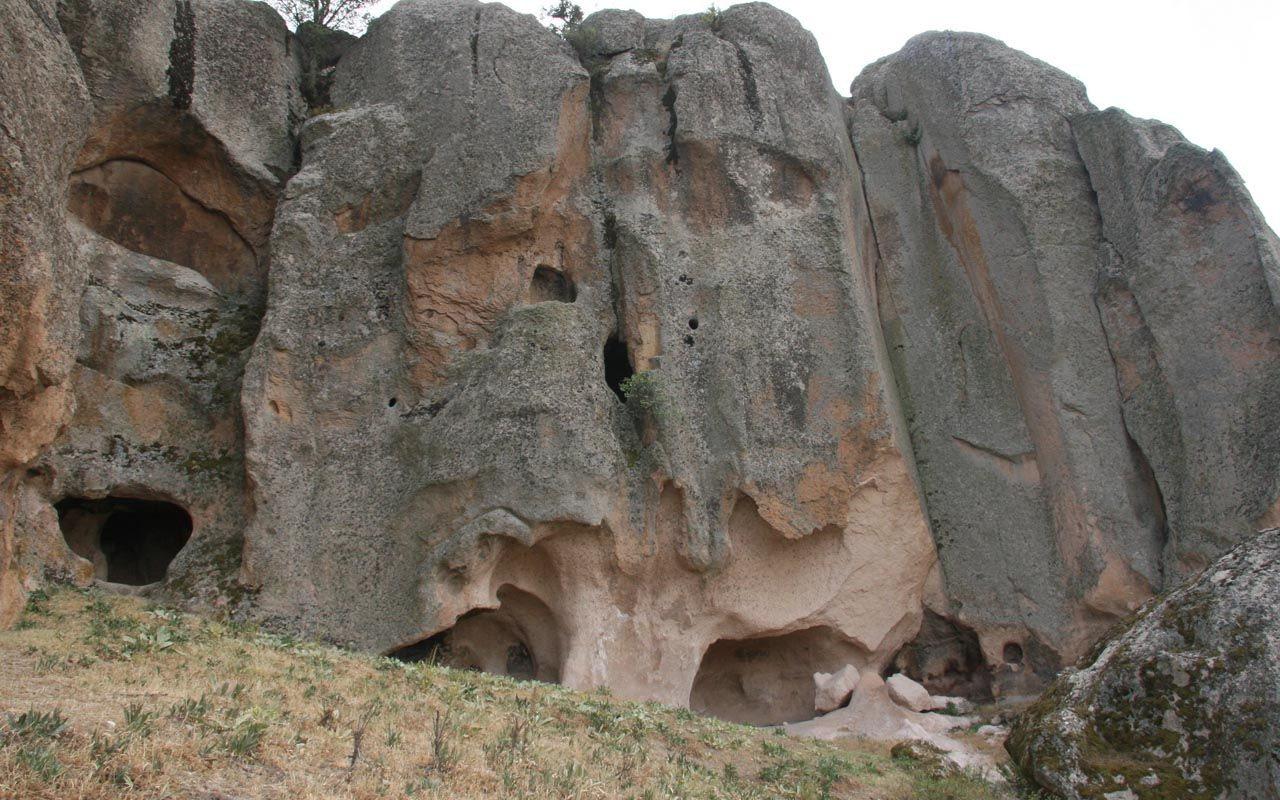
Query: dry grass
{"type": "Point", "coordinates": [104, 698]}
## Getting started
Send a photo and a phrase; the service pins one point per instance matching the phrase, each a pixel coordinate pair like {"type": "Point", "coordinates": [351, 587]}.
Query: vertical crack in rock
{"type": "Point", "coordinates": [749, 86]}
{"type": "Point", "coordinates": [48, 23]}
{"type": "Point", "coordinates": [866, 203]}
{"type": "Point", "coordinates": [669, 103]}
{"type": "Point", "coordinates": [475, 46]}
{"type": "Point", "coordinates": [182, 55]}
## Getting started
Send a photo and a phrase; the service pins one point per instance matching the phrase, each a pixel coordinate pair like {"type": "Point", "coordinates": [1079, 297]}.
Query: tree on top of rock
{"type": "Point", "coordinates": [348, 15]}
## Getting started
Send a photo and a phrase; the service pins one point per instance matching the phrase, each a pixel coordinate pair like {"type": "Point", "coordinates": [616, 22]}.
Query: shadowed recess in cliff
{"type": "Point", "coordinates": [768, 680]}
{"type": "Point", "coordinates": [617, 365]}
{"type": "Point", "coordinates": [551, 284]}
{"type": "Point", "coordinates": [128, 540]}
{"type": "Point", "coordinates": [519, 639]}
{"type": "Point", "coordinates": [946, 658]}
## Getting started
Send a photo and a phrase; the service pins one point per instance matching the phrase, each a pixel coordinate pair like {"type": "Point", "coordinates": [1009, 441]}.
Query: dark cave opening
{"type": "Point", "coordinates": [551, 284]}
{"type": "Point", "coordinates": [946, 658]}
{"type": "Point", "coordinates": [129, 541]}
{"type": "Point", "coordinates": [1012, 653]}
{"type": "Point", "coordinates": [617, 365]}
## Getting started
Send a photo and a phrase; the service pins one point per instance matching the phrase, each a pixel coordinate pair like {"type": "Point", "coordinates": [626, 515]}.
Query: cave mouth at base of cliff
{"type": "Point", "coordinates": [769, 680]}
{"type": "Point", "coordinates": [128, 540]}
{"type": "Point", "coordinates": [946, 658]}
{"type": "Point", "coordinates": [519, 639]}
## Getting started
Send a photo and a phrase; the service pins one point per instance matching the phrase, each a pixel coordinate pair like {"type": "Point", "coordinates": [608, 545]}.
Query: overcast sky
{"type": "Point", "coordinates": [1208, 68]}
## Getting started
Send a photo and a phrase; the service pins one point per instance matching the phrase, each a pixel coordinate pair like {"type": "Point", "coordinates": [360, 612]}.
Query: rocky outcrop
{"type": "Point", "coordinates": [638, 358]}
{"type": "Point", "coordinates": [1065, 478]}
{"type": "Point", "coordinates": [1181, 703]}
{"type": "Point", "coordinates": [171, 202]}
{"type": "Point", "coordinates": [44, 107]}
{"type": "Point", "coordinates": [549, 371]}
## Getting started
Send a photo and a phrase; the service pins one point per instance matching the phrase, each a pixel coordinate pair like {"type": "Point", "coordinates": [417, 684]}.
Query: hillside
{"type": "Point", "coordinates": [106, 698]}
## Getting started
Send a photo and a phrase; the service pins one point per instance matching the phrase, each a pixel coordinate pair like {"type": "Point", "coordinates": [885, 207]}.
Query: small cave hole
{"type": "Point", "coordinates": [693, 323]}
{"type": "Point", "coordinates": [392, 402]}
{"type": "Point", "coordinates": [519, 639]}
{"type": "Point", "coordinates": [129, 541]}
{"type": "Point", "coordinates": [550, 284]}
{"type": "Point", "coordinates": [617, 365]}
{"type": "Point", "coordinates": [1012, 653]}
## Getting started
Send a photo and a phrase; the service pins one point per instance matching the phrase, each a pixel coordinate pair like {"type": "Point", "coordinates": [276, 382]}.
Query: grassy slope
{"type": "Point", "coordinates": [103, 698]}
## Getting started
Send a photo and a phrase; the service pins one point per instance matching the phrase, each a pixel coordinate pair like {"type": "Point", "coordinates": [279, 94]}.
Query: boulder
{"type": "Point", "coordinates": [909, 694]}
{"type": "Point", "coordinates": [1180, 703]}
{"type": "Point", "coordinates": [832, 690]}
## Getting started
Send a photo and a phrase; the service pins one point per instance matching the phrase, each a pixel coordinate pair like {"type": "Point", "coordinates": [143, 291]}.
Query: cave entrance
{"type": "Point", "coordinates": [768, 680]}
{"type": "Point", "coordinates": [946, 658]}
{"type": "Point", "coordinates": [129, 541]}
{"type": "Point", "coordinates": [617, 365]}
{"type": "Point", "coordinates": [519, 639]}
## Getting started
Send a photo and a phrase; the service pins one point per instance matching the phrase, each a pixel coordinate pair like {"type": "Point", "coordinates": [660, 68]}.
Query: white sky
{"type": "Point", "coordinates": [1208, 68]}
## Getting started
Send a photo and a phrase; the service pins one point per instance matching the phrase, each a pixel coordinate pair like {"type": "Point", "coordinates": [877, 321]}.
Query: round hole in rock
{"type": "Point", "coordinates": [617, 365]}
{"type": "Point", "coordinates": [1012, 653]}
{"type": "Point", "coordinates": [128, 540]}
{"type": "Point", "coordinates": [693, 323]}
{"type": "Point", "coordinates": [519, 639]}
{"type": "Point", "coordinates": [550, 284]}
{"type": "Point", "coordinates": [768, 680]}
{"type": "Point", "coordinates": [392, 403]}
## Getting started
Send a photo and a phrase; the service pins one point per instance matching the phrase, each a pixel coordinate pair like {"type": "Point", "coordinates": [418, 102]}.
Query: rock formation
{"type": "Point", "coordinates": [639, 359]}
{"type": "Point", "coordinates": [1079, 313]}
{"type": "Point", "coordinates": [1182, 703]}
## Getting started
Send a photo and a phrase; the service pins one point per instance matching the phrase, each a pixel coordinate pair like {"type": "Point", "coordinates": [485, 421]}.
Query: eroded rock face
{"type": "Point", "coordinates": [1010, 223]}
{"type": "Point", "coordinates": [630, 360]}
{"type": "Point", "coordinates": [473, 255]}
{"type": "Point", "coordinates": [45, 110]}
{"type": "Point", "coordinates": [170, 205]}
{"type": "Point", "coordinates": [1182, 703]}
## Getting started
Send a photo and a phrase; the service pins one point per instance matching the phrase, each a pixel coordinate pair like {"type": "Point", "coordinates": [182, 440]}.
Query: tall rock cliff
{"type": "Point", "coordinates": [639, 359]}
{"type": "Point", "coordinates": [1079, 317]}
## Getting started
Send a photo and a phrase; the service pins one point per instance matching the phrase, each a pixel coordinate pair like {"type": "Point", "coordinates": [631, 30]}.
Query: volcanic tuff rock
{"type": "Point", "coordinates": [1180, 704]}
{"type": "Point", "coordinates": [642, 359]}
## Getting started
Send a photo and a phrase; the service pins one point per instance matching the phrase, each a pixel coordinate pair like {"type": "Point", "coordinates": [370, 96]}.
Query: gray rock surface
{"type": "Point", "coordinates": [1033, 441]}
{"type": "Point", "coordinates": [1181, 703]}
{"type": "Point", "coordinates": [1187, 297]}
{"type": "Point", "coordinates": [484, 242]}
